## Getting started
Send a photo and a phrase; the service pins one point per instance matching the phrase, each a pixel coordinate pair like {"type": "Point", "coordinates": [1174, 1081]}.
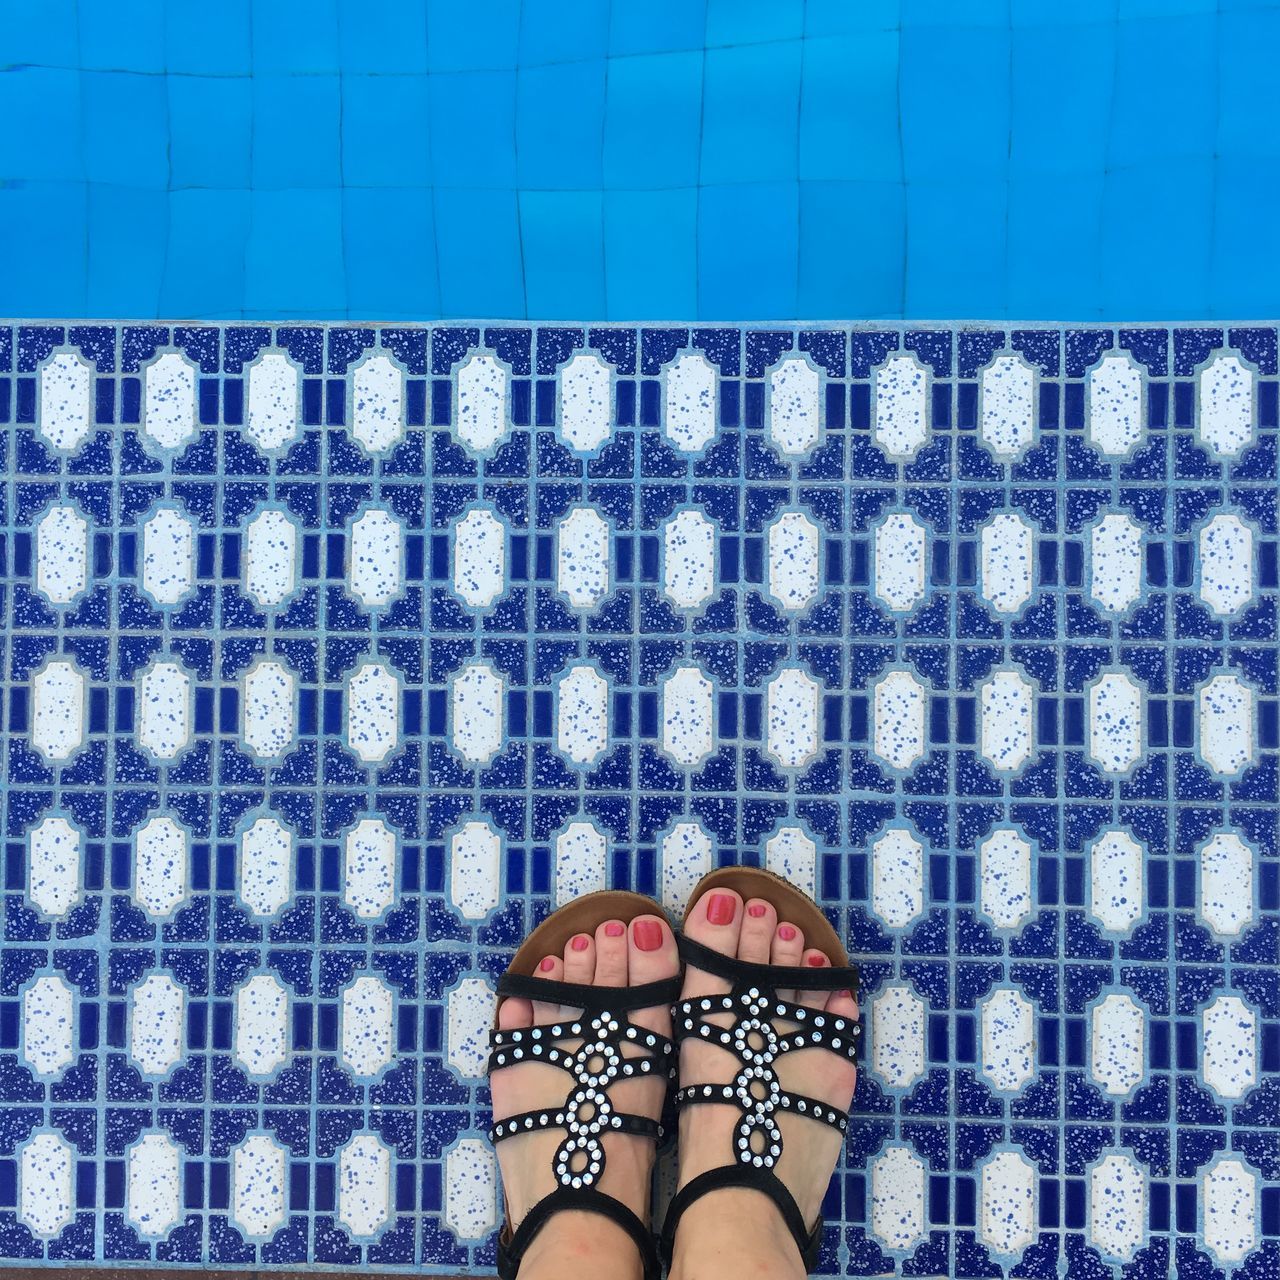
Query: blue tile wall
{"type": "Point", "coordinates": [334, 657]}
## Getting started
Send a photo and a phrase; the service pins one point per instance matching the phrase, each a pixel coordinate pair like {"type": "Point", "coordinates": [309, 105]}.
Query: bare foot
{"type": "Point", "coordinates": [616, 956]}
{"type": "Point", "coordinates": [734, 1226]}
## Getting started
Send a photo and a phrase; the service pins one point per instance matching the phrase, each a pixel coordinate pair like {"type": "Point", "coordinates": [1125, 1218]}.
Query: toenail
{"type": "Point", "coordinates": [613, 929]}
{"type": "Point", "coordinates": [816, 962]}
{"type": "Point", "coordinates": [721, 909]}
{"type": "Point", "coordinates": [647, 933]}
{"type": "Point", "coordinates": [756, 910]}
{"type": "Point", "coordinates": [786, 932]}
{"type": "Point", "coordinates": [845, 995]}
{"type": "Point", "coordinates": [581, 942]}
{"type": "Point", "coordinates": [547, 964]}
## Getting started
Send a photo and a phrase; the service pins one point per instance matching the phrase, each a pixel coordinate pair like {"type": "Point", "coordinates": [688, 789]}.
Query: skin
{"type": "Point", "coordinates": [729, 1233]}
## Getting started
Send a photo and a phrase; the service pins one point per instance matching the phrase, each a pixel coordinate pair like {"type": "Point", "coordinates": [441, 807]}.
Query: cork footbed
{"type": "Point", "coordinates": [792, 905]}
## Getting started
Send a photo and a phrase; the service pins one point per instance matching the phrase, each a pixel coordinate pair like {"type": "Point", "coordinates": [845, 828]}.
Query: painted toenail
{"type": "Point", "coordinates": [721, 909]}
{"type": "Point", "coordinates": [547, 964]}
{"type": "Point", "coordinates": [613, 929]}
{"type": "Point", "coordinates": [581, 942]}
{"type": "Point", "coordinates": [647, 933]}
{"type": "Point", "coordinates": [844, 995]}
{"type": "Point", "coordinates": [815, 962]}
{"type": "Point", "coordinates": [786, 932]}
{"type": "Point", "coordinates": [756, 910]}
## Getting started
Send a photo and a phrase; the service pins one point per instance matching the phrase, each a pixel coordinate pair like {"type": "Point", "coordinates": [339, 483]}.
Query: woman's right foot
{"type": "Point", "coordinates": [734, 1224]}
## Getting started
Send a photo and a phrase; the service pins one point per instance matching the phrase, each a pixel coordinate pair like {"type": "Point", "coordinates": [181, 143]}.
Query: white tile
{"type": "Point", "coordinates": [269, 718]}
{"type": "Point", "coordinates": [65, 414]}
{"type": "Point", "coordinates": [161, 866]}
{"type": "Point", "coordinates": [794, 406]}
{"type": "Point", "coordinates": [1116, 722]}
{"type": "Point", "coordinates": [168, 556]}
{"type": "Point", "coordinates": [260, 1038]}
{"type": "Point", "coordinates": [1007, 1203]}
{"type": "Point", "coordinates": [55, 867]}
{"type": "Point", "coordinates": [585, 420]}
{"type": "Point", "coordinates": [1116, 880]}
{"type": "Point", "coordinates": [1007, 562]}
{"type": "Point", "coordinates": [1225, 723]}
{"type": "Point", "coordinates": [1224, 406]}
{"type": "Point", "coordinates": [48, 1026]}
{"type": "Point", "coordinates": [897, 1198]}
{"type": "Point", "coordinates": [1226, 897]}
{"type": "Point", "coordinates": [479, 558]}
{"type": "Point", "coordinates": [897, 1036]}
{"type": "Point", "coordinates": [1114, 411]}
{"type": "Point", "coordinates": [266, 866]}
{"type": "Point", "coordinates": [689, 403]}
{"type": "Point", "coordinates": [376, 404]}
{"type": "Point", "coordinates": [791, 854]}
{"type": "Point", "coordinates": [62, 554]}
{"type": "Point", "coordinates": [582, 557]}
{"type": "Point", "coordinates": [686, 856]}
{"type": "Point", "coordinates": [366, 1040]}
{"type": "Point", "coordinates": [899, 562]}
{"type": "Point", "coordinates": [369, 868]}
{"type": "Point", "coordinates": [1008, 1041]}
{"type": "Point", "coordinates": [1005, 721]}
{"type": "Point", "coordinates": [364, 1186]}
{"type": "Point", "coordinates": [1226, 564]}
{"type": "Point", "coordinates": [59, 697]}
{"type": "Point", "coordinates": [169, 401]}
{"type": "Point", "coordinates": [791, 718]}
{"type": "Point", "coordinates": [258, 1187]}
{"type": "Point", "coordinates": [272, 420]}
{"type": "Point", "coordinates": [582, 714]}
{"type": "Point", "coordinates": [271, 560]}
{"type": "Point", "coordinates": [153, 1186]}
{"type": "Point", "coordinates": [157, 1021]}
{"type": "Point", "coordinates": [476, 696]}
{"type": "Point", "coordinates": [897, 877]}
{"type": "Point", "coordinates": [481, 402]}
{"type": "Point", "coordinates": [581, 851]}
{"type": "Point", "coordinates": [475, 869]}
{"type": "Point", "coordinates": [687, 718]}
{"type": "Point", "coordinates": [1230, 1047]}
{"type": "Point", "coordinates": [166, 695]}
{"type": "Point", "coordinates": [375, 558]}
{"type": "Point", "coordinates": [1229, 1198]}
{"type": "Point", "coordinates": [688, 559]}
{"type": "Point", "coordinates": [471, 1190]}
{"type": "Point", "coordinates": [1117, 1044]}
{"type": "Point", "coordinates": [793, 556]}
{"type": "Point", "coordinates": [373, 712]}
{"type": "Point", "coordinates": [898, 719]}
{"type": "Point", "coordinates": [1004, 877]}
{"type": "Point", "coordinates": [45, 1200]}
{"type": "Point", "coordinates": [469, 1010]}
{"type": "Point", "coordinates": [1115, 563]}
{"type": "Point", "coordinates": [1117, 1206]}
{"type": "Point", "coordinates": [1006, 407]}
{"type": "Point", "coordinates": [900, 391]}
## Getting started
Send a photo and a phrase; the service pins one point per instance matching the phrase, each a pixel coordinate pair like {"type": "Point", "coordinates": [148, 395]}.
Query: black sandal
{"type": "Point", "coordinates": [756, 1038]}
{"type": "Point", "coordinates": [587, 1113]}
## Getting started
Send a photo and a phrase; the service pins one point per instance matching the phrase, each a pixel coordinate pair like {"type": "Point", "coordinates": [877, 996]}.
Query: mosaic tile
{"type": "Point", "coordinates": [334, 657]}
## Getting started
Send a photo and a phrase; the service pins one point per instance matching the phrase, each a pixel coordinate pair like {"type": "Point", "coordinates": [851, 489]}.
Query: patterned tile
{"type": "Point", "coordinates": [334, 657]}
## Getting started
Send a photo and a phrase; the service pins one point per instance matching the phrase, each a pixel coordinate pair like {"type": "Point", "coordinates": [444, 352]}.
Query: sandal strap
{"type": "Point", "coordinates": [796, 1103]}
{"type": "Point", "coordinates": [589, 999]}
{"type": "Point", "coordinates": [815, 1029]}
{"type": "Point", "coordinates": [746, 1176]}
{"type": "Point", "coordinates": [532, 1121]}
{"type": "Point", "coordinates": [584, 1200]}
{"type": "Point", "coordinates": [768, 977]}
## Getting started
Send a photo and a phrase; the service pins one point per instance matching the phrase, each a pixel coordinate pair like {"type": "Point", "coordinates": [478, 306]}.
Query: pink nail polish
{"type": "Point", "coordinates": [815, 962]}
{"type": "Point", "coordinates": [647, 934]}
{"type": "Point", "coordinates": [581, 942]}
{"type": "Point", "coordinates": [614, 929]}
{"type": "Point", "coordinates": [755, 910]}
{"type": "Point", "coordinates": [721, 909]}
{"type": "Point", "coordinates": [786, 933]}
{"type": "Point", "coordinates": [547, 964]}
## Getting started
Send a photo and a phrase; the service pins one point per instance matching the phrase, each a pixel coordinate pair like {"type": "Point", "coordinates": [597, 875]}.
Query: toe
{"type": "Point", "coordinates": [843, 1004]}
{"type": "Point", "coordinates": [651, 957]}
{"type": "Point", "coordinates": [513, 1014]}
{"type": "Point", "coordinates": [788, 947]}
{"type": "Point", "coordinates": [715, 920]}
{"type": "Point", "coordinates": [579, 966]}
{"type": "Point", "coordinates": [551, 968]}
{"type": "Point", "coordinates": [611, 954]}
{"type": "Point", "coordinates": [759, 920]}
{"type": "Point", "coordinates": [814, 959]}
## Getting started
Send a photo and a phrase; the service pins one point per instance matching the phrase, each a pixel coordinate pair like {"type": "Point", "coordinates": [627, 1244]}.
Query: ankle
{"type": "Point", "coordinates": [734, 1233]}
{"type": "Point", "coordinates": [575, 1243]}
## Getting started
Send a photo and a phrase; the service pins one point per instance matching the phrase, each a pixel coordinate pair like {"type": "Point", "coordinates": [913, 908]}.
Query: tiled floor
{"type": "Point", "coordinates": [334, 657]}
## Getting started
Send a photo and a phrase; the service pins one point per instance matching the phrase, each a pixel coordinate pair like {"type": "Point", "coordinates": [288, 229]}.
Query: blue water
{"type": "Point", "coordinates": [683, 160]}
